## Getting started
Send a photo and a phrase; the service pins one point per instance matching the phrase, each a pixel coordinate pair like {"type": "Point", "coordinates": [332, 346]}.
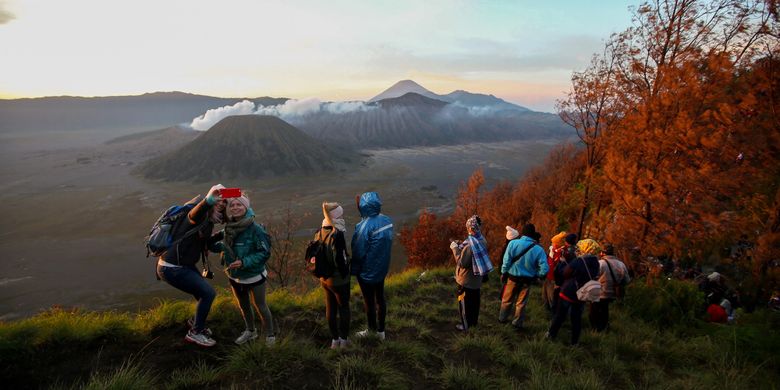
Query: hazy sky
{"type": "Point", "coordinates": [521, 51]}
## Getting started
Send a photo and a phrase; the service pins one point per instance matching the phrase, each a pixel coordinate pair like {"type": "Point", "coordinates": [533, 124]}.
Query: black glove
{"type": "Point", "coordinates": [504, 278]}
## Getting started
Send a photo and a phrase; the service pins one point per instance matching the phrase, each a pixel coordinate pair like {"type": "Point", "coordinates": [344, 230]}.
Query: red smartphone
{"type": "Point", "coordinates": [230, 193]}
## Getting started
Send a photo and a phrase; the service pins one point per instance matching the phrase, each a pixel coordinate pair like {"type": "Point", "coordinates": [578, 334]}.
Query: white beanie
{"type": "Point", "coordinates": [336, 213]}
{"type": "Point", "coordinates": [511, 233]}
{"type": "Point", "coordinates": [243, 199]}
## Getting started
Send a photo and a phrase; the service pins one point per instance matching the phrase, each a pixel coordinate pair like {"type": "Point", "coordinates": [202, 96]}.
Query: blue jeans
{"type": "Point", "coordinates": [565, 307]}
{"type": "Point", "coordinates": [188, 279]}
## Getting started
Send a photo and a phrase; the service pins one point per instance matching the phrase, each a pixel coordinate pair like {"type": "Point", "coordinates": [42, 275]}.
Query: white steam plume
{"type": "Point", "coordinates": [295, 109]}
{"type": "Point", "coordinates": [291, 110]}
{"type": "Point", "coordinates": [205, 121]}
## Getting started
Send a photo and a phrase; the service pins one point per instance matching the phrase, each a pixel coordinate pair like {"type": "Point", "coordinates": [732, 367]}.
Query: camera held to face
{"type": "Point", "coordinates": [206, 273]}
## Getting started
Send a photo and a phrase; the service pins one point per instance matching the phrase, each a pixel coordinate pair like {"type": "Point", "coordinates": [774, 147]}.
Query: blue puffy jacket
{"type": "Point", "coordinates": [372, 240]}
{"type": "Point", "coordinates": [533, 263]}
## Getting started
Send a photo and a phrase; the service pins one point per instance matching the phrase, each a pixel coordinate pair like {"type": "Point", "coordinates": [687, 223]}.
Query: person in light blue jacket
{"type": "Point", "coordinates": [524, 262]}
{"type": "Point", "coordinates": [371, 244]}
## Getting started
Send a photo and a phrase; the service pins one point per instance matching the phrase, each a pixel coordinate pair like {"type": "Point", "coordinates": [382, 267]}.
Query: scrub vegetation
{"type": "Point", "coordinates": [645, 348]}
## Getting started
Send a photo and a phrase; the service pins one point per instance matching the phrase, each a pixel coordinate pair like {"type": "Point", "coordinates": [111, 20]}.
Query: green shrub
{"type": "Point", "coordinates": [667, 303]}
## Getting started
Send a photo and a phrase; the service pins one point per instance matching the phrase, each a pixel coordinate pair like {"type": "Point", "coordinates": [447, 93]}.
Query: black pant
{"type": "Point", "coordinates": [471, 303]}
{"type": "Point", "coordinates": [599, 314]}
{"type": "Point", "coordinates": [337, 309]}
{"type": "Point", "coordinates": [563, 308]}
{"type": "Point", "coordinates": [373, 301]}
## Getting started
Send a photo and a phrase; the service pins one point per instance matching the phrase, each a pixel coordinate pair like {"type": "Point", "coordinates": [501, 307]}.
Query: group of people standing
{"type": "Point", "coordinates": [568, 265]}
{"type": "Point", "coordinates": [227, 226]}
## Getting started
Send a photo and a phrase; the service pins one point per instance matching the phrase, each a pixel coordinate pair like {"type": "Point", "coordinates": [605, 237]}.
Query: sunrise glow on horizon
{"type": "Point", "coordinates": [521, 51]}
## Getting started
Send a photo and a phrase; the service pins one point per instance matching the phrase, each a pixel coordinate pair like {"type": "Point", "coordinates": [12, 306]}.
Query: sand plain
{"type": "Point", "coordinates": [74, 215]}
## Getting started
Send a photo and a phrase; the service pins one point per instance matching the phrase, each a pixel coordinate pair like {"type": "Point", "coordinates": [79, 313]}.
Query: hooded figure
{"type": "Point", "coordinates": [371, 246]}
{"type": "Point", "coordinates": [372, 240]}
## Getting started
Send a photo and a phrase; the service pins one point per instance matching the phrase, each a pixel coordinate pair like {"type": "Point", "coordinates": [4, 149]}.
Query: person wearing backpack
{"type": "Point", "coordinates": [245, 249]}
{"type": "Point", "coordinates": [337, 284]}
{"type": "Point", "coordinates": [614, 277]}
{"type": "Point", "coordinates": [524, 262]}
{"type": "Point", "coordinates": [576, 274]}
{"type": "Point", "coordinates": [176, 266]}
{"type": "Point", "coordinates": [371, 244]}
{"type": "Point", "coordinates": [472, 265]}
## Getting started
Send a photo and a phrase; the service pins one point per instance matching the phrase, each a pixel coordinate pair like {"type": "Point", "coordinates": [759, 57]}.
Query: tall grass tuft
{"type": "Point", "coordinates": [355, 372]}
{"type": "Point", "coordinates": [274, 365]}
{"type": "Point", "coordinates": [129, 376]}
{"type": "Point", "coordinates": [195, 377]}
{"type": "Point", "coordinates": [463, 377]}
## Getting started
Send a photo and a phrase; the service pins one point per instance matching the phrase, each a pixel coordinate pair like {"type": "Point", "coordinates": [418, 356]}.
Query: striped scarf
{"type": "Point", "coordinates": [481, 264]}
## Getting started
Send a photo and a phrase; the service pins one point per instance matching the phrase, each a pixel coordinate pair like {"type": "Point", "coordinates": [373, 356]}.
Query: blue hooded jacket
{"type": "Point", "coordinates": [372, 240]}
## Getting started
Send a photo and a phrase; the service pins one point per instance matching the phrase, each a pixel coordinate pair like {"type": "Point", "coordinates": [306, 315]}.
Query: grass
{"type": "Point", "coordinates": [76, 349]}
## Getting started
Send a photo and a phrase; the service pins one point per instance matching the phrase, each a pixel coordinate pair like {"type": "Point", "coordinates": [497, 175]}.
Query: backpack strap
{"type": "Point", "coordinates": [585, 263]}
{"type": "Point", "coordinates": [521, 254]}
{"type": "Point", "coordinates": [614, 280]}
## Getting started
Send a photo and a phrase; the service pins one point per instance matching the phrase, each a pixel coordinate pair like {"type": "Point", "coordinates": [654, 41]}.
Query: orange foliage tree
{"type": "Point", "coordinates": [673, 159]}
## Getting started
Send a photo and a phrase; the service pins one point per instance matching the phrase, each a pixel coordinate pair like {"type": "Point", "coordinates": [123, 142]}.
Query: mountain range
{"type": "Point", "coordinates": [404, 115]}
{"type": "Point", "coordinates": [148, 111]}
{"type": "Point", "coordinates": [459, 97]}
{"type": "Point", "coordinates": [414, 119]}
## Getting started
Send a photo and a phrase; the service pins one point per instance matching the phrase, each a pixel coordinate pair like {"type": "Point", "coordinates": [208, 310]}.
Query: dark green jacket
{"type": "Point", "coordinates": [252, 246]}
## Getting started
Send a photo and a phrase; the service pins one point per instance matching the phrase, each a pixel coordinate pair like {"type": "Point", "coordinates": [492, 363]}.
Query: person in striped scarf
{"type": "Point", "coordinates": [472, 264]}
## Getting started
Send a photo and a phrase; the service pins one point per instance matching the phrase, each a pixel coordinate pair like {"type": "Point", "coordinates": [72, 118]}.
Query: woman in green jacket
{"type": "Point", "coordinates": [245, 250]}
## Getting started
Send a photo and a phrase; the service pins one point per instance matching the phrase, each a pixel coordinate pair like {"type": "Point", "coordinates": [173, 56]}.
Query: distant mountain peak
{"type": "Point", "coordinates": [412, 99]}
{"type": "Point", "coordinates": [402, 88]}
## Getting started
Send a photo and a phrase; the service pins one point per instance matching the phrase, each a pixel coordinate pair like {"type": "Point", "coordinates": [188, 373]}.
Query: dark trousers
{"type": "Point", "coordinates": [565, 307]}
{"type": "Point", "coordinates": [188, 279]}
{"type": "Point", "coordinates": [471, 302]}
{"type": "Point", "coordinates": [337, 308]}
{"type": "Point", "coordinates": [599, 314]}
{"type": "Point", "coordinates": [374, 304]}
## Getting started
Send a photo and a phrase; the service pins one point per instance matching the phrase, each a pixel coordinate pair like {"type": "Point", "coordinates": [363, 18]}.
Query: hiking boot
{"type": "Point", "coordinates": [461, 328]}
{"type": "Point", "coordinates": [199, 338]}
{"type": "Point", "coordinates": [270, 340]}
{"type": "Point", "coordinates": [381, 335]}
{"type": "Point", "coordinates": [191, 324]}
{"type": "Point", "coordinates": [335, 344]}
{"type": "Point", "coordinates": [247, 335]}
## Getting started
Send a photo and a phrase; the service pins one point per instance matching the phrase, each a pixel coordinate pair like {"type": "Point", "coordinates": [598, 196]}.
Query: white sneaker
{"type": "Point", "coordinates": [191, 324]}
{"type": "Point", "coordinates": [270, 340]}
{"type": "Point", "coordinates": [335, 343]}
{"type": "Point", "coordinates": [246, 335]}
{"type": "Point", "coordinates": [344, 343]}
{"type": "Point", "coordinates": [381, 335]}
{"type": "Point", "coordinates": [199, 338]}
{"type": "Point", "coordinates": [362, 333]}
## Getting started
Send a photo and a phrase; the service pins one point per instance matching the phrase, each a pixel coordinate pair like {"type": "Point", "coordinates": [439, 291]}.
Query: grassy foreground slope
{"type": "Point", "coordinates": [67, 349]}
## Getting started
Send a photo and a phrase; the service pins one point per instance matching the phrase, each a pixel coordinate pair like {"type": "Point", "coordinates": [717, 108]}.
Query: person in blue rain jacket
{"type": "Point", "coordinates": [371, 244]}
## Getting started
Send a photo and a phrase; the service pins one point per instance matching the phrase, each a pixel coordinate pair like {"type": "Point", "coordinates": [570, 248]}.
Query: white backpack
{"type": "Point", "coordinates": [590, 291]}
